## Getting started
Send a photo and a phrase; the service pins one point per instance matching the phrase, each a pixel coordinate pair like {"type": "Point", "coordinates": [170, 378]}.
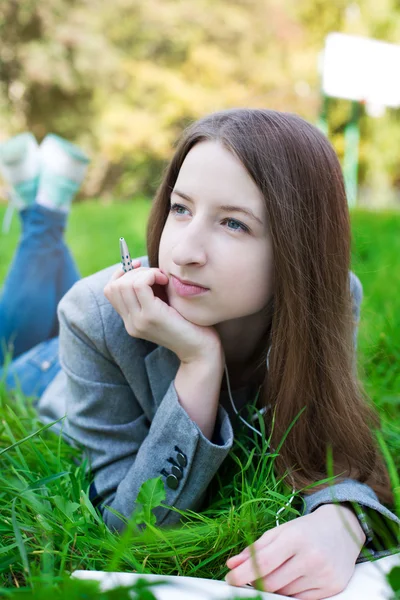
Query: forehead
{"type": "Point", "coordinates": [211, 171]}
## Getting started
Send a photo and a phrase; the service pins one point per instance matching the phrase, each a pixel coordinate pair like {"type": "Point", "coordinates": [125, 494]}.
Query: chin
{"type": "Point", "coordinates": [191, 314]}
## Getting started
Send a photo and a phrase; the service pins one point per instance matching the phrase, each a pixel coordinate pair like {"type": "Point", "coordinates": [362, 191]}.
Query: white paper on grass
{"type": "Point", "coordinates": [367, 583]}
{"type": "Point", "coordinates": [178, 588]}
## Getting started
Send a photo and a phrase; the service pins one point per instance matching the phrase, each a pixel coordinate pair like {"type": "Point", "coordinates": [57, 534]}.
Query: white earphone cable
{"type": "Point", "coordinates": [262, 411]}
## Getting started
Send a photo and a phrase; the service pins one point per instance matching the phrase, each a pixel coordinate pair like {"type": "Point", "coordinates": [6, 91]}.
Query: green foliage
{"type": "Point", "coordinates": [394, 579]}
{"type": "Point", "coordinates": [151, 494]}
{"type": "Point", "coordinates": [48, 527]}
{"type": "Point", "coordinates": [123, 78]}
{"type": "Point", "coordinates": [375, 252]}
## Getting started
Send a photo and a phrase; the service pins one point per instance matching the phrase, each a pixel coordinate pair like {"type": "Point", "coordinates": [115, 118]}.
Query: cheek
{"type": "Point", "coordinates": [242, 295]}
{"type": "Point", "coordinates": [252, 288]}
{"type": "Point", "coordinates": [163, 249]}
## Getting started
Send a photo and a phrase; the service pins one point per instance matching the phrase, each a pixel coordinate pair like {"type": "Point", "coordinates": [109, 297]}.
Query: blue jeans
{"type": "Point", "coordinates": [41, 272]}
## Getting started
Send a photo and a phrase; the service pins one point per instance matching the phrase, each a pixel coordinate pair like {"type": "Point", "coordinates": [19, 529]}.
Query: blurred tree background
{"type": "Point", "coordinates": [123, 78]}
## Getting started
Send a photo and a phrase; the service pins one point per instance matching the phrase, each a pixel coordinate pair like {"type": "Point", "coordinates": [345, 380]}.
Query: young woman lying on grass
{"type": "Point", "coordinates": [252, 208]}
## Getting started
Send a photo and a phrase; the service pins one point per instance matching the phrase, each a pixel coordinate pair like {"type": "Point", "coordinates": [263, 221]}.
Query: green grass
{"type": "Point", "coordinates": [376, 261]}
{"type": "Point", "coordinates": [92, 233]}
{"type": "Point", "coordinates": [48, 527]}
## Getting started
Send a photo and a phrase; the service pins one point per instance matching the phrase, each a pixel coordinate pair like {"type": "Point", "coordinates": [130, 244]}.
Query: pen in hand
{"type": "Point", "coordinates": [126, 257]}
{"type": "Point", "coordinates": [127, 265]}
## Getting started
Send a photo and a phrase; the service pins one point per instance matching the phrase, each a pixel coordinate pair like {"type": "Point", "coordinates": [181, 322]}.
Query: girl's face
{"type": "Point", "coordinates": [223, 249]}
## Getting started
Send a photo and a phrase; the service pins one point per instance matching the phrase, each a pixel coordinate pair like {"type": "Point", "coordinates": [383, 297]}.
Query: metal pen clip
{"type": "Point", "coordinates": [125, 256]}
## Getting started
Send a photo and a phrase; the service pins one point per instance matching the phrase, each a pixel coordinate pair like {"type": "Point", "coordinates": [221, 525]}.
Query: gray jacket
{"type": "Point", "coordinates": [121, 403]}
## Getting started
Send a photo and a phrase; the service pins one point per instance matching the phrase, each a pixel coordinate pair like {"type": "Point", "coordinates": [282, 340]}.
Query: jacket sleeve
{"type": "Point", "coordinates": [379, 524]}
{"type": "Point", "coordinates": [123, 447]}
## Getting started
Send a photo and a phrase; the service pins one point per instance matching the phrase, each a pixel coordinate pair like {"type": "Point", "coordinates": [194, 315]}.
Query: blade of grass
{"type": "Point", "coordinates": [19, 540]}
{"type": "Point", "coordinates": [30, 436]}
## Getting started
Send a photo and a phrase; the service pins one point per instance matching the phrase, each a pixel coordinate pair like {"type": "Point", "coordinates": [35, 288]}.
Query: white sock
{"type": "Point", "coordinates": [19, 166]}
{"type": "Point", "coordinates": [63, 168]}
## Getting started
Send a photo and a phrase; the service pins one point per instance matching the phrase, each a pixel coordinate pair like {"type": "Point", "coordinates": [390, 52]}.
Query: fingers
{"type": "Point", "coordinates": [132, 295]}
{"type": "Point", "coordinates": [234, 561]}
{"type": "Point", "coordinates": [287, 579]}
{"type": "Point", "coordinates": [266, 560]}
{"type": "Point", "coordinates": [120, 272]}
{"type": "Point", "coordinates": [136, 286]}
{"type": "Point", "coordinates": [267, 538]}
{"type": "Point", "coordinates": [136, 262]}
{"type": "Point", "coordinates": [117, 274]}
{"type": "Point", "coordinates": [137, 292]}
{"type": "Point", "coordinates": [114, 295]}
{"type": "Point", "coordinates": [306, 593]}
{"type": "Point", "coordinates": [127, 298]}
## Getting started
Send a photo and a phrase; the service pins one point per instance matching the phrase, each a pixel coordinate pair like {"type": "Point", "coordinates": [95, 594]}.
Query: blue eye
{"type": "Point", "coordinates": [174, 208]}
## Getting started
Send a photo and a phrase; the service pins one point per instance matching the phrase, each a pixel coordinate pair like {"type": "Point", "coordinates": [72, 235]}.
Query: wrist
{"type": "Point", "coordinates": [197, 384]}
{"type": "Point", "coordinates": [348, 518]}
{"type": "Point", "coordinates": [357, 529]}
{"type": "Point", "coordinates": [202, 369]}
{"type": "Point", "coordinates": [209, 358]}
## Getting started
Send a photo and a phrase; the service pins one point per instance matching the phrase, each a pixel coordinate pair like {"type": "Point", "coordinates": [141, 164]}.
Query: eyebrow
{"type": "Point", "coordinates": [226, 207]}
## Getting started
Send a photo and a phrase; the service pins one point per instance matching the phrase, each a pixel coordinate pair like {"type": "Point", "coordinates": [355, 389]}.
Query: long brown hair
{"type": "Point", "coordinates": [312, 356]}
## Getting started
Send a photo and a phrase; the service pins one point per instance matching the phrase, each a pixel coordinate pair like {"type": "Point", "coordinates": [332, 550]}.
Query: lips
{"type": "Point", "coordinates": [186, 291]}
{"type": "Point", "coordinates": [190, 283]}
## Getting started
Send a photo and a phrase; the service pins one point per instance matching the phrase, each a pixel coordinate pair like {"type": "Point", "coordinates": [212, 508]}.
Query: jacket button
{"type": "Point", "coordinates": [181, 458]}
{"type": "Point", "coordinates": [177, 471]}
{"type": "Point", "coordinates": [172, 482]}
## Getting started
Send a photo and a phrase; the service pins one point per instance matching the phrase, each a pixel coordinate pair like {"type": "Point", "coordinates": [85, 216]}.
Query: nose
{"type": "Point", "coordinates": [189, 247]}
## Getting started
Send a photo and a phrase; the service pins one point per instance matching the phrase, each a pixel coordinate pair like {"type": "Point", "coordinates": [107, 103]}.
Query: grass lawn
{"type": "Point", "coordinates": [48, 527]}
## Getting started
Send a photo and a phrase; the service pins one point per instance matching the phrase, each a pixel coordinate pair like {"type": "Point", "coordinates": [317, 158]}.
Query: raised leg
{"type": "Point", "coordinates": [41, 272]}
